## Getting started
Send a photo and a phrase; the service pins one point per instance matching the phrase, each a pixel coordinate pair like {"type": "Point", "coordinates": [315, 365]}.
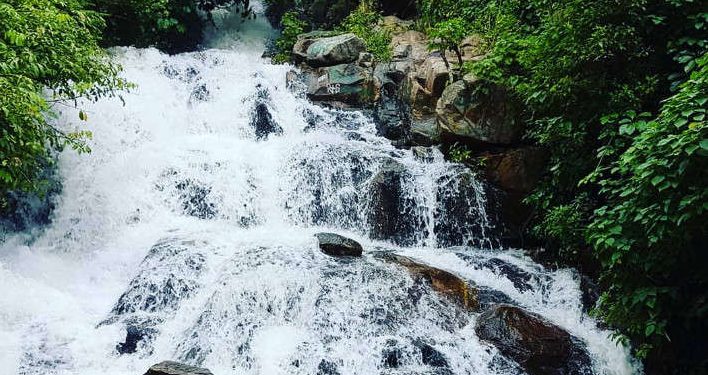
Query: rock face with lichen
{"type": "Point", "coordinates": [478, 111]}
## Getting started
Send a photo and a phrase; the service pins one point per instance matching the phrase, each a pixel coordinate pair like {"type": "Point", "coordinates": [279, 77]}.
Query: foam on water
{"type": "Point", "coordinates": [186, 224]}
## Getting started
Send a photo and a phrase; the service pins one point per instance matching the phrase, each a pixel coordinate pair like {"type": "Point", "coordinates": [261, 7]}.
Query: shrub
{"type": "Point", "coordinates": [363, 23]}
{"type": "Point", "coordinates": [292, 26]}
{"type": "Point", "coordinates": [46, 44]}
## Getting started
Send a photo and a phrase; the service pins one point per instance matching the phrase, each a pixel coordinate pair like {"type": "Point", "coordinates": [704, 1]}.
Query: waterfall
{"type": "Point", "coordinates": [190, 227]}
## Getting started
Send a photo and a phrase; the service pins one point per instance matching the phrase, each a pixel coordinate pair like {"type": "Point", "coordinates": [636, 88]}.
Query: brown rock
{"type": "Point", "coordinates": [516, 170]}
{"type": "Point", "coordinates": [464, 112]}
{"type": "Point", "coordinates": [443, 282]}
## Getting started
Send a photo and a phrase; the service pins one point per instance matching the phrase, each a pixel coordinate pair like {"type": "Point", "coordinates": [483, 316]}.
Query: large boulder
{"type": "Point", "coordinates": [304, 41]}
{"type": "Point", "coordinates": [334, 50]}
{"type": "Point", "coordinates": [425, 132]}
{"type": "Point", "coordinates": [540, 347]}
{"type": "Point", "coordinates": [389, 214]}
{"type": "Point", "coordinates": [479, 112]}
{"type": "Point", "coordinates": [348, 84]}
{"type": "Point", "coordinates": [176, 368]}
{"type": "Point", "coordinates": [336, 245]}
{"type": "Point", "coordinates": [517, 169]}
{"type": "Point", "coordinates": [443, 282]}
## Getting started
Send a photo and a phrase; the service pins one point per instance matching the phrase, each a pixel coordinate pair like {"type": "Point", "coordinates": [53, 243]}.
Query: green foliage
{"type": "Point", "coordinates": [628, 186]}
{"type": "Point", "coordinates": [363, 23]}
{"type": "Point", "coordinates": [46, 44]}
{"type": "Point", "coordinates": [292, 26]}
{"type": "Point", "coordinates": [448, 35]}
{"type": "Point", "coordinates": [460, 153]}
{"type": "Point", "coordinates": [652, 229]}
{"type": "Point", "coordinates": [170, 25]}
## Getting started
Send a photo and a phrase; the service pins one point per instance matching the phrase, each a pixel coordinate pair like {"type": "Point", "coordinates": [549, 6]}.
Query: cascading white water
{"type": "Point", "coordinates": [186, 223]}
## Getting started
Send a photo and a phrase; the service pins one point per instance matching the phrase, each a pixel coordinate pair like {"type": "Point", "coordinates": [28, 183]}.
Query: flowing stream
{"type": "Point", "coordinates": [188, 226]}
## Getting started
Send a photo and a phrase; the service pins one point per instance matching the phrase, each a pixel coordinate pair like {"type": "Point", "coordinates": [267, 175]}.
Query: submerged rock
{"type": "Point", "coordinates": [336, 245]}
{"type": "Point", "coordinates": [389, 214]}
{"type": "Point", "coordinates": [176, 368]}
{"type": "Point", "coordinates": [133, 337]}
{"type": "Point", "coordinates": [443, 282]}
{"type": "Point", "coordinates": [262, 121]}
{"type": "Point", "coordinates": [539, 346]}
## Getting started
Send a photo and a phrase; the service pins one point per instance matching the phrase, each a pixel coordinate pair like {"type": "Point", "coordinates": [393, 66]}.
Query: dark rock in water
{"type": "Point", "coordinates": [194, 197]}
{"type": "Point", "coordinates": [200, 94]}
{"type": "Point", "coordinates": [392, 357]}
{"type": "Point", "coordinates": [156, 287]}
{"type": "Point", "coordinates": [336, 245]}
{"type": "Point", "coordinates": [540, 347]}
{"type": "Point", "coordinates": [391, 115]}
{"type": "Point", "coordinates": [263, 122]}
{"type": "Point", "coordinates": [25, 210]}
{"type": "Point", "coordinates": [429, 355]}
{"type": "Point", "coordinates": [457, 212]}
{"type": "Point", "coordinates": [425, 132]}
{"type": "Point", "coordinates": [390, 213]}
{"type": "Point", "coordinates": [443, 282]}
{"type": "Point", "coordinates": [327, 368]}
{"type": "Point", "coordinates": [176, 368]}
{"type": "Point", "coordinates": [520, 278]}
{"type": "Point", "coordinates": [590, 292]}
{"type": "Point", "coordinates": [490, 297]}
{"type": "Point", "coordinates": [133, 336]}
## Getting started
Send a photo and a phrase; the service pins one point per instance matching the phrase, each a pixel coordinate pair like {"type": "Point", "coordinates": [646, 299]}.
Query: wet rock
{"type": "Point", "coordinates": [334, 50]}
{"type": "Point", "coordinates": [26, 210]}
{"type": "Point", "coordinates": [200, 94]}
{"type": "Point", "coordinates": [349, 84]}
{"type": "Point", "coordinates": [176, 368]}
{"type": "Point", "coordinates": [520, 278]}
{"type": "Point", "coordinates": [424, 154]}
{"type": "Point", "coordinates": [590, 292]}
{"type": "Point", "coordinates": [392, 357]}
{"type": "Point", "coordinates": [490, 297]}
{"type": "Point", "coordinates": [304, 41]}
{"type": "Point", "coordinates": [195, 199]}
{"type": "Point", "coordinates": [133, 336]}
{"type": "Point", "coordinates": [476, 111]}
{"type": "Point", "coordinates": [429, 355]}
{"type": "Point", "coordinates": [515, 170]}
{"type": "Point", "coordinates": [158, 286]}
{"type": "Point", "coordinates": [460, 217]}
{"type": "Point", "coordinates": [540, 347]}
{"type": "Point", "coordinates": [391, 115]}
{"type": "Point", "coordinates": [389, 214]}
{"type": "Point", "coordinates": [425, 132]}
{"type": "Point", "coordinates": [443, 282]}
{"type": "Point", "coordinates": [327, 368]}
{"type": "Point", "coordinates": [262, 121]}
{"type": "Point", "coordinates": [336, 245]}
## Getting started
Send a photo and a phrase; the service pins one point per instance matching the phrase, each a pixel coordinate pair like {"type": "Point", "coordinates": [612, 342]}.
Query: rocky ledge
{"type": "Point", "coordinates": [417, 99]}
